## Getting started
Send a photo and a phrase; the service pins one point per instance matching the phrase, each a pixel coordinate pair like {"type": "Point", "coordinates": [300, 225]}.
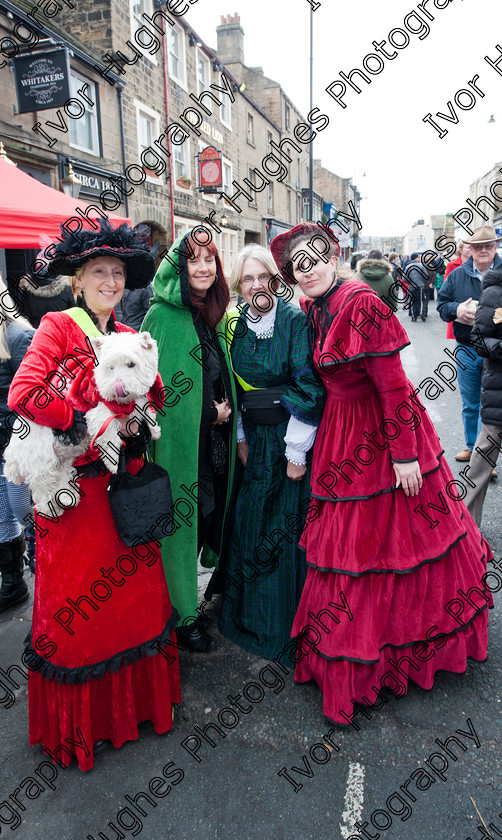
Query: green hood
{"type": "Point", "coordinates": [170, 322]}
{"type": "Point", "coordinates": [170, 284]}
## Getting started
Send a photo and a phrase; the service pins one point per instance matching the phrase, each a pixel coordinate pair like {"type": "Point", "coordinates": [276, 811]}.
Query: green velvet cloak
{"type": "Point", "coordinates": [181, 358]}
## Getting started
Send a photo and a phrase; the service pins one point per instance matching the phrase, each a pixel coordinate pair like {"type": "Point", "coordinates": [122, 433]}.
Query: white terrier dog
{"type": "Point", "coordinates": [126, 370]}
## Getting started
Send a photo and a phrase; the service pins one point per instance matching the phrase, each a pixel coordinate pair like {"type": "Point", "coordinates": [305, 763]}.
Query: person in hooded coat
{"type": "Point", "coordinates": [377, 274]}
{"type": "Point", "coordinates": [188, 320]}
{"type": "Point", "coordinates": [45, 295]}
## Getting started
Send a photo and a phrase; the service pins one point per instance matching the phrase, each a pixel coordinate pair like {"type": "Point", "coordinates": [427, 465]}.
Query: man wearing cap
{"type": "Point", "coordinates": [457, 302]}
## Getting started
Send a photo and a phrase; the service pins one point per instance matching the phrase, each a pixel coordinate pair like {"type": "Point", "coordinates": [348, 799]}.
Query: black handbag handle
{"type": "Point", "coordinates": [122, 458]}
{"type": "Point", "coordinates": [122, 461]}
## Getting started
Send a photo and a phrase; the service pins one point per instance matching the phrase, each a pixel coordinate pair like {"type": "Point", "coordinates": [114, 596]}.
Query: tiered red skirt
{"type": "Point", "coordinates": [414, 599]}
{"type": "Point", "coordinates": [97, 677]}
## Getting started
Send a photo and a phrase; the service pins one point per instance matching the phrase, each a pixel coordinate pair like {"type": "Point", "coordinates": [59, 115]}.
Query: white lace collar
{"type": "Point", "coordinates": [264, 328]}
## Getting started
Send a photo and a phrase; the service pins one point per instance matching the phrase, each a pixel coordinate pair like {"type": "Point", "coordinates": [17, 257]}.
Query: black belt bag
{"type": "Point", "coordinates": [263, 406]}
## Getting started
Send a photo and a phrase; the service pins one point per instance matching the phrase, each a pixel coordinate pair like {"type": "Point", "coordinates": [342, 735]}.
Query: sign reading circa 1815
{"type": "Point", "coordinates": [42, 80]}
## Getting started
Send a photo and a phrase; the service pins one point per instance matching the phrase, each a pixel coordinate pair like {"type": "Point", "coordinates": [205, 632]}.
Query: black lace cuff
{"type": "Point", "coordinates": [75, 434]}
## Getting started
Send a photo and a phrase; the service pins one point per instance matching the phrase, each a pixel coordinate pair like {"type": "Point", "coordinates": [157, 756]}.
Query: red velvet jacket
{"type": "Point", "coordinates": [60, 354]}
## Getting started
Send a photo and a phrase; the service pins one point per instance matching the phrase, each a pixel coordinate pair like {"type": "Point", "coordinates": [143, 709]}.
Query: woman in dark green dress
{"type": "Point", "coordinates": [264, 568]}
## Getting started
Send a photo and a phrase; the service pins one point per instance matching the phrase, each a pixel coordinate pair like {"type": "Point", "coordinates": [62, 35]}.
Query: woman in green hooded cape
{"type": "Point", "coordinates": [188, 321]}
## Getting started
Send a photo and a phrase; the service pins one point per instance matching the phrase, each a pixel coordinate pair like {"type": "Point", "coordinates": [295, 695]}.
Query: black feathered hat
{"type": "Point", "coordinates": [128, 245]}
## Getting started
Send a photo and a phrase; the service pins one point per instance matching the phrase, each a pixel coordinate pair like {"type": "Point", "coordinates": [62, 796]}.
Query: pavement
{"type": "Point", "coordinates": [265, 777]}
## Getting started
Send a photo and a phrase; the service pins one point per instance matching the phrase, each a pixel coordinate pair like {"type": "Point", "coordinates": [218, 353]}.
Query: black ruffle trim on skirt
{"type": "Point", "coordinates": [391, 571]}
{"type": "Point", "coordinates": [377, 492]}
{"type": "Point", "coordinates": [405, 644]}
{"type": "Point", "coordinates": [84, 673]}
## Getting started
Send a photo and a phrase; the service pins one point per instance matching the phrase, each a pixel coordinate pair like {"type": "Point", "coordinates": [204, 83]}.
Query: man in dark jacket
{"type": "Point", "coordinates": [133, 307]}
{"type": "Point", "coordinates": [488, 344]}
{"type": "Point", "coordinates": [457, 302]}
{"type": "Point", "coordinates": [418, 278]}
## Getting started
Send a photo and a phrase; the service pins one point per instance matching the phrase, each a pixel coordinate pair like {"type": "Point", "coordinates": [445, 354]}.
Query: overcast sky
{"type": "Point", "coordinates": [410, 172]}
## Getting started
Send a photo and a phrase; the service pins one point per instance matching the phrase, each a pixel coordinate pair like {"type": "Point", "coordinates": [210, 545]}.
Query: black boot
{"type": "Point", "coordinates": [14, 589]}
{"type": "Point", "coordinates": [194, 637]}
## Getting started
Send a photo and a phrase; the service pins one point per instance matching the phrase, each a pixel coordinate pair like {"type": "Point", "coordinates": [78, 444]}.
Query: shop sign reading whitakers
{"type": "Point", "coordinates": [42, 81]}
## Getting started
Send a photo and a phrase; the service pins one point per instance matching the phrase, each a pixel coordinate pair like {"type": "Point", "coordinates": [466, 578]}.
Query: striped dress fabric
{"type": "Point", "coordinates": [264, 568]}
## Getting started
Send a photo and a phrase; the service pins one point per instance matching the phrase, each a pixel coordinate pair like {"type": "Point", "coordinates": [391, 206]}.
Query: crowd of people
{"type": "Point", "coordinates": [300, 459]}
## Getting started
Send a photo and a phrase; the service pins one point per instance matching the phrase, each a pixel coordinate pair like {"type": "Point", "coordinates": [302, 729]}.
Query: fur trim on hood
{"type": "Point", "coordinates": [374, 269]}
{"type": "Point", "coordinates": [49, 291]}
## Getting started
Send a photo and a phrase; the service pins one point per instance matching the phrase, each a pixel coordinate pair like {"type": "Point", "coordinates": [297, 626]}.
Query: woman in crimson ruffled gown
{"type": "Point", "coordinates": [392, 546]}
{"type": "Point", "coordinates": [99, 654]}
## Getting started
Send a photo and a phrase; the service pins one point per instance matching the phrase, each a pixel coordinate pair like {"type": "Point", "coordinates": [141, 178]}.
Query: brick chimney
{"type": "Point", "coordinates": [230, 48]}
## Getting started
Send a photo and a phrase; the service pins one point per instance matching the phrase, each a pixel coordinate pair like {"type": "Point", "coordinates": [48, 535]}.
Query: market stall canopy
{"type": "Point", "coordinates": [30, 210]}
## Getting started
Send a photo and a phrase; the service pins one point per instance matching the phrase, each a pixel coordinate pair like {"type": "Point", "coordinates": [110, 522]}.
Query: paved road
{"type": "Point", "coordinates": [234, 792]}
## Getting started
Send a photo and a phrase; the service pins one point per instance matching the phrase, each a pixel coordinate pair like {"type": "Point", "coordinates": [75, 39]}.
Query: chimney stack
{"type": "Point", "coordinates": [230, 34]}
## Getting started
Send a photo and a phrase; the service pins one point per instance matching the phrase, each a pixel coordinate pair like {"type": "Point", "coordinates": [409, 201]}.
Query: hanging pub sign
{"type": "Point", "coordinates": [42, 80]}
{"type": "Point", "coordinates": [210, 170]}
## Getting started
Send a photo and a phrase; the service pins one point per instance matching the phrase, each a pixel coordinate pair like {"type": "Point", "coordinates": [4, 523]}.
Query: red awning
{"type": "Point", "coordinates": [31, 211]}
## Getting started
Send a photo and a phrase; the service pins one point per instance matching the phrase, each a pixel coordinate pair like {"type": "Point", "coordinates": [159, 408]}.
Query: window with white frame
{"type": "Point", "coordinates": [147, 122]}
{"type": "Point", "coordinates": [227, 177]}
{"type": "Point", "coordinates": [228, 250]}
{"type": "Point", "coordinates": [138, 8]}
{"type": "Point", "coordinates": [270, 198]}
{"type": "Point", "coordinates": [269, 141]}
{"type": "Point", "coordinates": [250, 134]}
{"type": "Point", "coordinates": [181, 155]}
{"type": "Point", "coordinates": [252, 181]}
{"type": "Point", "coordinates": [225, 110]}
{"type": "Point", "coordinates": [287, 116]}
{"type": "Point", "coordinates": [84, 131]}
{"type": "Point", "coordinates": [177, 68]}
{"type": "Point", "coordinates": [180, 227]}
{"type": "Point", "coordinates": [203, 72]}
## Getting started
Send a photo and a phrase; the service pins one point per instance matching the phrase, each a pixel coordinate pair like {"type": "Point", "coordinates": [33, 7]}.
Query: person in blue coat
{"type": "Point", "coordinates": [457, 302]}
{"type": "Point", "coordinates": [16, 334]}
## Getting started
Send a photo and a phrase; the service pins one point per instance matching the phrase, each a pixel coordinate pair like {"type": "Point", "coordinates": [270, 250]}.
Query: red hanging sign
{"type": "Point", "coordinates": [210, 170]}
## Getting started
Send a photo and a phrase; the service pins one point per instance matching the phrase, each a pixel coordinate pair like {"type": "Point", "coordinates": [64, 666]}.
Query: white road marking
{"type": "Point", "coordinates": [354, 798]}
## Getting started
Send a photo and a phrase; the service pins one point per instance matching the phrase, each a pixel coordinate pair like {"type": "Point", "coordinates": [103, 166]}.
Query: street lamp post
{"type": "Point", "coordinates": [311, 149]}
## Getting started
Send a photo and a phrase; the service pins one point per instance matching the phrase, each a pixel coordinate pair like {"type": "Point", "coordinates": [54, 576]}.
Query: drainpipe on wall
{"type": "Point", "coordinates": [120, 88]}
{"type": "Point", "coordinates": [169, 162]}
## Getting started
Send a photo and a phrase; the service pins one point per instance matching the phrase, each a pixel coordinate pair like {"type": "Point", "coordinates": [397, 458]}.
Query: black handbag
{"type": "Point", "coordinates": [263, 406]}
{"type": "Point", "coordinates": [139, 503]}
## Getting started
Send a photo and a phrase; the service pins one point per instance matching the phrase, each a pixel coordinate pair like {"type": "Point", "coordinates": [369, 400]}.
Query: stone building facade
{"type": "Point", "coordinates": [336, 190]}
{"type": "Point", "coordinates": [91, 142]}
{"type": "Point", "coordinates": [337, 193]}
{"type": "Point", "coordinates": [260, 121]}
{"type": "Point", "coordinates": [154, 96]}
{"type": "Point", "coordinates": [486, 198]}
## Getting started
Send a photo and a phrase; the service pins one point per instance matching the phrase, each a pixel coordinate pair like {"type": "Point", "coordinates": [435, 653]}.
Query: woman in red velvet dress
{"type": "Point", "coordinates": [392, 544]}
{"type": "Point", "coordinates": [102, 617]}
